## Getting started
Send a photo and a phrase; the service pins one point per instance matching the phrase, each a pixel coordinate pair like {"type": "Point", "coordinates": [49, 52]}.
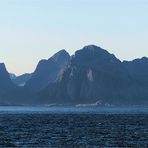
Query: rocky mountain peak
{"type": "Point", "coordinates": [60, 55]}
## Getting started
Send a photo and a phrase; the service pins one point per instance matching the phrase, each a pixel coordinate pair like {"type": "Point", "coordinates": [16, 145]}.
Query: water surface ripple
{"type": "Point", "coordinates": [73, 130]}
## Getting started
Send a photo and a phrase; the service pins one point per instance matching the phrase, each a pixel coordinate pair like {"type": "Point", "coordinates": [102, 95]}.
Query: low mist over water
{"type": "Point", "coordinates": [71, 110]}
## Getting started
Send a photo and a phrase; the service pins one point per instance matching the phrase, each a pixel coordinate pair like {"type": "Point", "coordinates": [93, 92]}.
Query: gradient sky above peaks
{"type": "Point", "coordinates": [31, 30]}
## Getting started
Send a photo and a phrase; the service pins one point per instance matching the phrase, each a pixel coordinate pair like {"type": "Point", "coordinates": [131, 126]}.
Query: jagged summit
{"type": "Point", "coordinates": [60, 55]}
{"type": "Point", "coordinates": [2, 66]}
{"type": "Point", "coordinates": [3, 70]}
{"type": "Point", "coordinates": [56, 57]}
{"type": "Point", "coordinates": [92, 48]}
{"type": "Point", "coordinates": [47, 71]}
{"type": "Point", "coordinates": [5, 81]}
{"type": "Point", "coordinates": [92, 55]}
{"type": "Point", "coordinates": [62, 51]}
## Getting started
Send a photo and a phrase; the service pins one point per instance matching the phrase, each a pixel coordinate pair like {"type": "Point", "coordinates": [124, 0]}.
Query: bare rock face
{"type": "Point", "coordinates": [90, 75]}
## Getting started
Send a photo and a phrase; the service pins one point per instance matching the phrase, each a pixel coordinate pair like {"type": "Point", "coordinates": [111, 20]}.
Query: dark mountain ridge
{"type": "Point", "coordinates": [47, 71]}
{"type": "Point", "coordinates": [7, 88]}
{"type": "Point", "coordinates": [91, 75]}
{"type": "Point", "coordinates": [138, 68]}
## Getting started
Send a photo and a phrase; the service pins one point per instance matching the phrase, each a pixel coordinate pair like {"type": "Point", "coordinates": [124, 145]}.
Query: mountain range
{"type": "Point", "coordinates": [91, 76]}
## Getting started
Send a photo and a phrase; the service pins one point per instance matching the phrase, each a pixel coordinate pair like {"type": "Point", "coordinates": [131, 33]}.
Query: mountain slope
{"type": "Point", "coordinates": [93, 75]}
{"type": "Point", "coordinates": [138, 69]}
{"type": "Point", "coordinates": [5, 81]}
{"type": "Point", "coordinates": [47, 71]}
{"type": "Point", "coordinates": [7, 88]}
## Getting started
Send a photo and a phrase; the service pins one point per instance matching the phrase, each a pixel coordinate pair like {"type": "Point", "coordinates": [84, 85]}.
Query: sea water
{"type": "Point", "coordinates": [73, 127]}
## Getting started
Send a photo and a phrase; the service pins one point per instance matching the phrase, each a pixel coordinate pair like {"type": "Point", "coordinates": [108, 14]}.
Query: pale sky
{"type": "Point", "coordinates": [31, 30]}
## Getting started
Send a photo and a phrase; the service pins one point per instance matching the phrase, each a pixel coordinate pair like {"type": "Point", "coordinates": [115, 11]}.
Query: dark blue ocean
{"type": "Point", "coordinates": [71, 127]}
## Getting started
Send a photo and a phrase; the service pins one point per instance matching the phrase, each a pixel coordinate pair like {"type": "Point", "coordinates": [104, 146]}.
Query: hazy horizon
{"type": "Point", "coordinates": [32, 30]}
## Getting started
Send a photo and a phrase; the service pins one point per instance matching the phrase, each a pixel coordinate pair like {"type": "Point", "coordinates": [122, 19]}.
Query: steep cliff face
{"type": "Point", "coordinates": [93, 75]}
{"type": "Point", "coordinates": [47, 71]}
